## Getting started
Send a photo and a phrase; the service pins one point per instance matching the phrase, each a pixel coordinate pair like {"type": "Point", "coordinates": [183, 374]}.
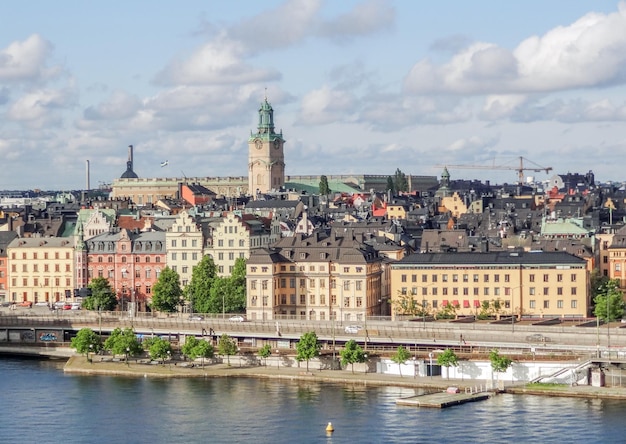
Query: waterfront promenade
{"type": "Point", "coordinates": [80, 365]}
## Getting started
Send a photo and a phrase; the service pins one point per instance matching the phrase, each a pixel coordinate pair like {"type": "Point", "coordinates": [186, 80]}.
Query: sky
{"type": "Point", "coordinates": [357, 87]}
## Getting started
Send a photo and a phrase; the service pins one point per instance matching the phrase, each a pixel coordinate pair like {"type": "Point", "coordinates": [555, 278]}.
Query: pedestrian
{"type": "Point", "coordinates": [461, 341]}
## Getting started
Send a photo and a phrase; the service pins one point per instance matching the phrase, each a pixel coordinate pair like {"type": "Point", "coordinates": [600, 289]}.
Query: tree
{"type": "Point", "coordinates": [609, 302]}
{"type": "Point", "coordinates": [400, 182]}
{"type": "Point", "coordinates": [448, 359]}
{"type": "Point", "coordinates": [400, 357]}
{"type": "Point", "coordinates": [166, 291]}
{"type": "Point", "coordinates": [198, 291]}
{"type": "Point", "coordinates": [227, 346]}
{"type": "Point", "coordinates": [123, 342]}
{"type": "Point", "coordinates": [204, 350]}
{"type": "Point", "coordinates": [102, 295]}
{"type": "Point", "coordinates": [307, 348]}
{"type": "Point", "coordinates": [324, 188]}
{"type": "Point", "coordinates": [159, 349]}
{"type": "Point", "coordinates": [87, 341]}
{"type": "Point", "coordinates": [406, 304]}
{"type": "Point", "coordinates": [390, 186]}
{"type": "Point", "coordinates": [352, 353]}
{"type": "Point", "coordinates": [237, 287]}
{"type": "Point", "coordinates": [195, 348]}
{"type": "Point", "coordinates": [447, 311]}
{"type": "Point", "coordinates": [265, 352]}
{"type": "Point", "coordinates": [499, 363]}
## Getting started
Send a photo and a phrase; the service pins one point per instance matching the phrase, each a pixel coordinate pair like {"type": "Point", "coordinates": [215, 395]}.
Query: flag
{"type": "Point", "coordinates": [164, 163]}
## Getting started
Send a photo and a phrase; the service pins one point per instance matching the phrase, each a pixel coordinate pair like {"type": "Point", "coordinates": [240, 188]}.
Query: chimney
{"type": "Point", "coordinates": [87, 174]}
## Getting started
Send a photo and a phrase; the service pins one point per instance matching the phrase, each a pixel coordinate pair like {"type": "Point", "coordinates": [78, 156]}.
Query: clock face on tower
{"type": "Point", "coordinates": [258, 144]}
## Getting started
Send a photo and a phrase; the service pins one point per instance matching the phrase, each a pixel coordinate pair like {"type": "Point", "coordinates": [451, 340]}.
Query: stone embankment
{"type": "Point", "coordinates": [80, 365]}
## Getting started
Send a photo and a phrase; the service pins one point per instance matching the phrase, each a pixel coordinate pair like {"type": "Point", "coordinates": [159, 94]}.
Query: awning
{"type": "Point", "coordinates": [466, 303]}
{"type": "Point", "coordinates": [444, 303]}
{"type": "Point", "coordinates": [455, 303]}
{"type": "Point", "coordinates": [476, 303]}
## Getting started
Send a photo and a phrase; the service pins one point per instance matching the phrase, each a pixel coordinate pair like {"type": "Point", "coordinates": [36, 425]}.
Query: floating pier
{"type": "Point", "coordinates": [442, 399]}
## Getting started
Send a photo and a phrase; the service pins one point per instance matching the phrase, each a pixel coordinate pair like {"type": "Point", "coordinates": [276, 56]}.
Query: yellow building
{"type": "Point", "coordinates": [524, 284]}
{"type": "Point", "coordinates": [454, 204]}
{"type": "Point", "coordinates": [316, 277]}
{"type": "Point", "coordinates": [41, 269]}
{"type": "Point", "coordinates": [184, 245]}
{"type": "Point", "coordinates": [236, 235]}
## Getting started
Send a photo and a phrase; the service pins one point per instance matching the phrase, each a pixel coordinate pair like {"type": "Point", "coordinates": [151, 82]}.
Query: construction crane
{"type": "Point", "coordinates": [520, 169]}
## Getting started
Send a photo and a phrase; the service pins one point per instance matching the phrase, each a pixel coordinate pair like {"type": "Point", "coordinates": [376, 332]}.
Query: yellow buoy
{"type": "Point", "coordinates": [330, 428]}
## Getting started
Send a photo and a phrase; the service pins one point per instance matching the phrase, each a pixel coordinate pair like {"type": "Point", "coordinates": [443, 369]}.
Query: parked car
{"type": "Point", "coordinates": [67, 306]}
{"type": "Point", "coordinates": [28, 304]}
{"type": "Point", "coordinates": [353, 329]}
{"type": "Point", "coordinates": [6, 303]}
{"type": "Point", "coordinates": [537, 337]}
{"type": "Point", "coordinates": [195, 317]}
{"type": "Point", "coordinates": [236, 318]}
{"type": "Point", "coordinates": [41, 304]}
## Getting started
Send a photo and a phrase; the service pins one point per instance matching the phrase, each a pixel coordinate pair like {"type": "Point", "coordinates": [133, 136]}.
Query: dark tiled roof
{"type": "Point", "coordinates": [499, 258]}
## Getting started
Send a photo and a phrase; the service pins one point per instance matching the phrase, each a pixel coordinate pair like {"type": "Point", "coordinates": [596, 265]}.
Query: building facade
{"type": "Point", "coordinates": [318, 277]}
{"type": "Point", "coordinates": [184, 243]}
{"type": "Point", "coordinates": [130, 261]}
{"type": "Point", "coordinates": [41, 269]}
{"type": "Point", "coordinates": [551, 284]}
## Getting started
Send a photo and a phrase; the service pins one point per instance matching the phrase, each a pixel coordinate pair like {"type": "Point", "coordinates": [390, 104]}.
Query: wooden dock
{"type": "Point", "coordinates": [442, 399]}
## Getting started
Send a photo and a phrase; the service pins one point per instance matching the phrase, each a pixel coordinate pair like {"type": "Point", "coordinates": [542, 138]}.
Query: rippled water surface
{"type": "Point", "coordinates": [42, 405]}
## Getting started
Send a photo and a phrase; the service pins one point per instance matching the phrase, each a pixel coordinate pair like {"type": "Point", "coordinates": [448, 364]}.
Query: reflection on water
{"type": "Point", "coordinates": [41, 404]}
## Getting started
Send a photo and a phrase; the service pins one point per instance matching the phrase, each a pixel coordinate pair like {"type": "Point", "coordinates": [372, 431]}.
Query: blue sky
{"type": "Point", "coordinates": [357, 87]}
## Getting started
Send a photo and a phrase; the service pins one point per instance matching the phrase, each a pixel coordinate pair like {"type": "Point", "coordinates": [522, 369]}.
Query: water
{"type": "Point", "coordinates": [40, 404]}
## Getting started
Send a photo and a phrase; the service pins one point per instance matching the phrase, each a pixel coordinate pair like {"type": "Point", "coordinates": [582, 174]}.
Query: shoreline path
{"type": "Point", "coordinates": [80, 365]}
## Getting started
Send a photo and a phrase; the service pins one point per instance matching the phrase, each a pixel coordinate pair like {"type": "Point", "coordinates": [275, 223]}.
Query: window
{"type": "Point", "coordinates": [486, 278]}
{"type": "Point", "coordinates": [531, 291]}
{"type": "Point", "coordinates": [346, 302]}
{"type": "Point", "coordinates": [545, 291]}
{"type": "Point", "coordinates": [573, 277]}
{"type": "Point", "coordinates": [531, 303]}
{"type": "Point", "coordinates": [559, 277]}
{"type": "Point", "coordinates": [292, 282]}
{"type": "Point", "coordinates": [559, 303]}
{"type": "Point", "coordinates": [455, 278]}
{"type": "Point", "coordinates": [546, 304]}
{"type": "Point", "coordinates": [559, 291]}
{"type": "Point", "coordinates": [302, 299]}
{"type": "Point", "coordinates": [573, 292]}
{"type": "Point", "coordinates": [333, 299]}
{"type": "Point", "coordinates": [496, 278]}
{"type": "Point", "coordinates": [574, 303]}
{"type": "Point", "coordinates": [403, 278]}
{"type": "Point", "coordinates": [444, 278]}
{"type": "Point", "coordinates": [507, 278]}
{"type": "Point", "coordinates": [545, 277]}
{"type": "Point", "coordinates": [475, 278]}
{"type": "Point", "coordinates": [466, 278]}
{"type": "Point", "coordinates": [531, 278]}
{"type": "Point", "coordinates": [434, 278]}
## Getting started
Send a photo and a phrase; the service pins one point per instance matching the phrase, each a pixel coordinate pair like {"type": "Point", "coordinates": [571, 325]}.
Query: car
{"type": "Point", "coordinates": [236, 318]}
{"type": "Point", "coordinates": [537, 337]}
{"type": "Point", "coordinates": [195, 317]}
{"type": "Point", "coordinates": [353, 329]}
{"type": "Point", "coordinates": [25, 304]}
{"type": "Point", "coordinates": [59, 305]}
{"type": "Point", "coordinates": [6, 303]}
{"type": "Point", "coordinates": [41, 304]}
{"type": "Point", "coordinates": [67, 306]}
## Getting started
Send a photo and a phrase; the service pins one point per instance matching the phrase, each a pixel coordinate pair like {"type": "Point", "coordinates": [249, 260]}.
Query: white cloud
{"type": "Point", "coordinates": [590, 52]}
{"type": "Point", "coordinates": [325, 105]}
{"type": "Point", "coordinates": [41, 107]}
{"type": "Point", "coordinates": [26, 60]}
{"type": "Point", "coordinates": [120, 105]}
{"type": "Point", "coordinates": [364, 19]}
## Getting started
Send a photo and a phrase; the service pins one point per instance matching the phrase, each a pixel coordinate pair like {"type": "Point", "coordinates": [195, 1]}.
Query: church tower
{"type": "Point", "coordinates": [266, 159]}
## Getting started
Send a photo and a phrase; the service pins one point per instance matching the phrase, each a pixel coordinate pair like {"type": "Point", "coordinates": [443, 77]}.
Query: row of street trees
{"type": "Point", "coordinates": [125, 342]}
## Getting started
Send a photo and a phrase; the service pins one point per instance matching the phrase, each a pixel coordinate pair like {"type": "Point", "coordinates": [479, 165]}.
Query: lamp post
{"type": "Point", "coordinates": [127, 352]}
{"type": "Point", "coordinates": [223, 306]}
{"type": "Point", "coordinates": [430, 357]}
{"type": "Point", "coordinates": [608, 328]}
{"type": "Point", "coordinates": [90, 360]}
{"type": "Point", "coordinates": [424, 314]}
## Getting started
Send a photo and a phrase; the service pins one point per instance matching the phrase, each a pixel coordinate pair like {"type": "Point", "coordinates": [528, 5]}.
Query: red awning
{"type": "Point", "coordinates": [444, 303]}
{"type": "Point", "coordinates": [455, 303]}
{"type": "Point", "coordinates": [466, 303]}
{"type": "Point", "coordinates": [476, 303]}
